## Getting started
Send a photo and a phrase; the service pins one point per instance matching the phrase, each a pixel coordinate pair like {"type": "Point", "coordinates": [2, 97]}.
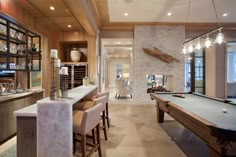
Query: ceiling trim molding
{"type": "Point", "coordinates": [77, 8]}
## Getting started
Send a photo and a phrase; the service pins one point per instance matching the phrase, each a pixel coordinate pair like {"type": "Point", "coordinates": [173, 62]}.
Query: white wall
{"type": "Point", "coordinates": [112, 68]}
{"type": "Point", "coordinates": [169, 40]}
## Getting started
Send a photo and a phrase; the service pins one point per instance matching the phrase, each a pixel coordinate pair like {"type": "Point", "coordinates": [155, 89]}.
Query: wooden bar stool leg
{"type": "Point", "coordinates": [83, 145]}
{"type": "Point", "coordinates": [99, 140]}
{"type": "Point", "coordinates": [74, 143]}
{"type": "Point", "coordinates": [107, 116]}
{"type": "Point", "coordinates": [104, 125]}
{"type": "Point", "coordinates": [94, 136]}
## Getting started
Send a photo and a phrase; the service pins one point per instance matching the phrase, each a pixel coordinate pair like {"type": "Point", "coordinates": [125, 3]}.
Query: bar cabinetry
{"type": "Point", "coordinates": [9, 104]}
{"type": "Point", "coordinates": [77, 71]}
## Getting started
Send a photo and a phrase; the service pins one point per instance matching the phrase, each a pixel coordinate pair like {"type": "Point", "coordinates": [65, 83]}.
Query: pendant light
{"type": "Point", "coordinates": [207, 42]}
{"type": "Point", "coordinates": [184, 50]}
{"type": "Point", "coordinates": [190, 48]}
{"type": "Point", "coordinates": [196, 41]}
{"type": "Point", "coordinates": [219, 37]}
{"type": "Point", "coordinates": [198, 45]}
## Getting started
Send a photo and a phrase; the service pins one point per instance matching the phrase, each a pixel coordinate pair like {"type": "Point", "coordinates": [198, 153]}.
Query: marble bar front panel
{"type": "Point", "coordinates": [54, 123]}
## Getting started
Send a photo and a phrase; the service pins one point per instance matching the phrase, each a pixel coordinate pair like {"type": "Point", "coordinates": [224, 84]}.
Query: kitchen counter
{"type": "Point", "coordinates": [5, 98]}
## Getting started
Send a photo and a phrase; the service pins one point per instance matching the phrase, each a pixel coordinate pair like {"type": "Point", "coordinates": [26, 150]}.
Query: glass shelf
{"type": "Point", "coordinates": [16, 45]}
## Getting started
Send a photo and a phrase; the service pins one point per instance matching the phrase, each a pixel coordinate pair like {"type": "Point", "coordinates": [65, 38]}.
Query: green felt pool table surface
{"type": "Point", "coordinates": [206, 108]}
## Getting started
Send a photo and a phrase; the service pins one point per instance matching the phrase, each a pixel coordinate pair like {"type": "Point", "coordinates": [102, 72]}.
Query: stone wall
{"type": "Point", "coordinates": [169, 40]}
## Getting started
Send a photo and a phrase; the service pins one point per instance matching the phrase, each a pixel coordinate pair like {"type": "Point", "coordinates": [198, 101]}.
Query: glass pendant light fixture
{"type": "Point", "coordinates": [184, 50]}
{"type": "Point", "coordinates": [190, 48]}
{"type": "Point", "coordinates": [219, 37]}
{"type": "Point", "coordinates": [198, 45]}
{"type": "Point", "coordinates": [208, 42]}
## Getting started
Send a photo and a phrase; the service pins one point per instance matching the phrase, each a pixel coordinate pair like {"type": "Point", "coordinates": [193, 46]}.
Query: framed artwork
{"type": "Point", "coordinates": [35, 76]}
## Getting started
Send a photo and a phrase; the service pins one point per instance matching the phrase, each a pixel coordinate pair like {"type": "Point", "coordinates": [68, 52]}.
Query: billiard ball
{"type": "Point", "coordinates": [224, 110]}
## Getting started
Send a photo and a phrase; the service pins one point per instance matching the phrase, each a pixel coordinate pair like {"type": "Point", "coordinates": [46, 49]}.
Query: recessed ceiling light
{"type": "Point", "coordinates": [69, 26]}
{"type": "Point", "coordinates": [52, 8]}
{"type": "Point", "coordinates": [169, 14]}
{"type": "Point", "coordinates": [126, 14]}
{"type": "Point", "coordinates": [225, 14]}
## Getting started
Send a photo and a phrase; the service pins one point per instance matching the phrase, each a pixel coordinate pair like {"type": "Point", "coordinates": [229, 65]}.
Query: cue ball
{"type": "Point", "coordinates": [224, 110]}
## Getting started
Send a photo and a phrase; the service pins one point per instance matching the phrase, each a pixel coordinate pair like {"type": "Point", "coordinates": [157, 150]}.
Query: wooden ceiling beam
{"type": "Point", "coordinates": [129, 26]}
{"type": "Point", "coordinates": [78, 9]}
{"type": "Point", "coordinates": [96, 12]}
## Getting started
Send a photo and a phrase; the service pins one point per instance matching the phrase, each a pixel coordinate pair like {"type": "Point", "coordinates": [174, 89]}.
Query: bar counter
{"type": "Point", "coordinates": [46, 127]}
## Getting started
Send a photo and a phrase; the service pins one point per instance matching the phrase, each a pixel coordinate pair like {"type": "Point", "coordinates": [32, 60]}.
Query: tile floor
{"type": "Point", "coordinates": [134, 132]}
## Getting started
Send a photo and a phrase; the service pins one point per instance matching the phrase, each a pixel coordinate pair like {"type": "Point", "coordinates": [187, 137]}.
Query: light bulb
{"type": "Point", "coordinates": [208, 42]}
{"type": "Point", "coordinates": [219, 38]}
{"type": "Point", "coordinates": [190, 48]}
{"type": "Point", "coordinates": [184, 50]}
{"type": "Point", "coordinates": [198, 46]}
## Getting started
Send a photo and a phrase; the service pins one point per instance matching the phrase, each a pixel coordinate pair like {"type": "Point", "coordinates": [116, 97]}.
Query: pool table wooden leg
{"type": "Point", "coordinates": [213, 153]}
{"type": "Point", "coordinates": [160, 114]}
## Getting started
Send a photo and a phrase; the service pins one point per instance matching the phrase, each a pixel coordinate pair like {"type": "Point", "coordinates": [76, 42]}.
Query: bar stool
{"type": "Point", "coordinates": [85, 105]}
{"type": "Point", "coordinates": [107, 105]}
{"type": "Point", "coordinates": [83, 123]}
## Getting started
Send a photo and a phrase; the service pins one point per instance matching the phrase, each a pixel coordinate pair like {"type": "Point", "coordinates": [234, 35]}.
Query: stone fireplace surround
{"type": "Point", "coordinates": [169, 40]}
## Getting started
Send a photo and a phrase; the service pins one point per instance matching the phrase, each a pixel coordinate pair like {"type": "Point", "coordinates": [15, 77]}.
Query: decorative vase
{"type": "Point", "coordinates": [75, 55]}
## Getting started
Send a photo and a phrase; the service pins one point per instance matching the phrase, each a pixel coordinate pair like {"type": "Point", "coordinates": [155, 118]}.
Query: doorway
{"type": "Point", "coordinates": [116, 60]}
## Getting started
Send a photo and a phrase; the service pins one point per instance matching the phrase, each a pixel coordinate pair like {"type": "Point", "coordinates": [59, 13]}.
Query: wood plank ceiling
{"type": "Point", "coordinates": [61, 16]}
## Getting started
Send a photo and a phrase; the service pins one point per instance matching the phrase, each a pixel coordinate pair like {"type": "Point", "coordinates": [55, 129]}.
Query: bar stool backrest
{"type": "Point", "coordinates": [102, 99]}
{"type": "Point", "coordinates": [91, 118]}
{"type": "Point", "coordinates": [104, 94]}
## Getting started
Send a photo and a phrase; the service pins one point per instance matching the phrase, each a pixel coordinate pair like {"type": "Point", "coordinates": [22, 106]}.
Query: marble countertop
{"type": "Point", "coordinates": [4, 98]}
{"type": "Point", "coordinates": [29, 111]}
{"type": "Point", "coordinates": [74, 95]}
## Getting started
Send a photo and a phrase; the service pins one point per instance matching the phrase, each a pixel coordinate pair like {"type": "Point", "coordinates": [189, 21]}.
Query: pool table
{"type": "Point", "coordinates": [213, 120]}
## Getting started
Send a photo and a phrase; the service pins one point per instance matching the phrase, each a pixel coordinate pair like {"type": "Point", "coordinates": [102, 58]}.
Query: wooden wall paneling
{"type": "Point", "coordinates": [45, 62]}
{"type": "Point", "coordinates": [14, 9]}
{"type": "Point", "coordinates": [91, 54]}
{"type": "Point", "coordinates": [74, 36]}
